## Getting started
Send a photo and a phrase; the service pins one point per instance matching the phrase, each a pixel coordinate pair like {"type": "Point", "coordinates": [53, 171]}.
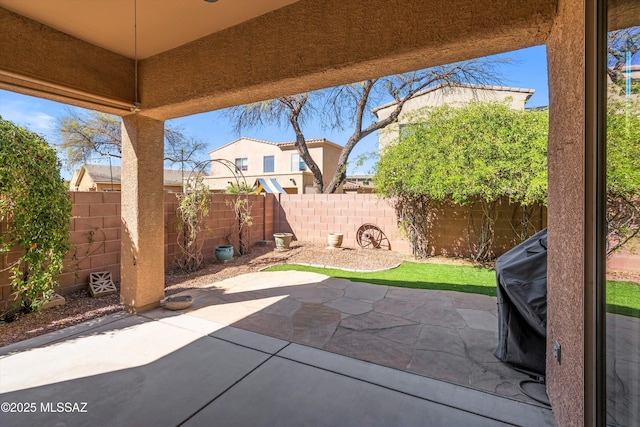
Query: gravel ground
{"type": "Point", "coordinates": [80, 307]}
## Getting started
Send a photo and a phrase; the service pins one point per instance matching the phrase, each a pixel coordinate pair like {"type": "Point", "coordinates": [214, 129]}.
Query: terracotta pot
{"type": "Point", "coordinates": [334, 240]}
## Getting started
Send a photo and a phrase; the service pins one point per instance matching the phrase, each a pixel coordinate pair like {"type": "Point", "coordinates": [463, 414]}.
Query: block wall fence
{"type": "Point", "coordinates": [95, 236]}
{"type": "Point", "coordinates": [310, 217]}
{"type": "Point", "coordinates": [95, 230]}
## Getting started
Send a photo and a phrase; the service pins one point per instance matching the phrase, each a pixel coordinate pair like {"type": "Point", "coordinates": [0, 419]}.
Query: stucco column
{"type": "Point", "coordinates": [142, 255]}
{"type": "Point", "coordinates": [566, 213]}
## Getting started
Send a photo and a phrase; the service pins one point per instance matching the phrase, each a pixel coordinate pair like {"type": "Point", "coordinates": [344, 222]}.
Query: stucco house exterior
{"type": "Point", "coordinates": [279, 161]}
{"type": "Point", "coordinates": [194, 57]}
{"type": "Point", "coordinates": [453, 95]}
{"type": "Point", "coordinates": [108, 178]}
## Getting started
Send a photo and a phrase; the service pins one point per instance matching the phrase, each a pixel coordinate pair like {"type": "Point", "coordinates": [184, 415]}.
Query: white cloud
{"type": "Point", "coordinates": [27, 112]}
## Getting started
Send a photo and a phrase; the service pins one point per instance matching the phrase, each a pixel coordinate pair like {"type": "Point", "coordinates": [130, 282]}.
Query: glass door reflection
{"type": "Point", "coordinates": [623, 225]}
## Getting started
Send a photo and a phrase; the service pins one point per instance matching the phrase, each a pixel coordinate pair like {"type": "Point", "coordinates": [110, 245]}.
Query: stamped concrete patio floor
{"type": "Point", "coordinates": [438, 334]}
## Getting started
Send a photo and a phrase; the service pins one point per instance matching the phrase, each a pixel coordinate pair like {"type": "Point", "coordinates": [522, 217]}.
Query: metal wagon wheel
{"type": "Point", "coordinates": [369, 236]}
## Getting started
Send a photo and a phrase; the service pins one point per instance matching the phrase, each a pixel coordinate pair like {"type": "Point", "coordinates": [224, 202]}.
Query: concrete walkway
{"type": "Point", "coordinates": [167, 368]}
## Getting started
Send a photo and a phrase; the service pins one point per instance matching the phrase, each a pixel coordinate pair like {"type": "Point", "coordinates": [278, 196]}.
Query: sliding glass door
{"type": "Point", "coordinates": [622, 318]}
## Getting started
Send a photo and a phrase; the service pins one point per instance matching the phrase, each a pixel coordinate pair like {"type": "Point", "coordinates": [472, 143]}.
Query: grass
{"type": "Point", "coordinates": [622, 297]}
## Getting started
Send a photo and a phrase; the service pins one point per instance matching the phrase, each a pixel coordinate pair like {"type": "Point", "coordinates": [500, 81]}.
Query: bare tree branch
{"type": "Point", "coordinates": [87, 134]}
{"type": "Point", "coordinates": [349, 106]}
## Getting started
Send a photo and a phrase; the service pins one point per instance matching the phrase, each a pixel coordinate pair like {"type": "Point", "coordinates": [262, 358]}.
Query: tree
{"type": "Point", "coordinates": [623, 172]}
{"type": "Point", "coordinates": [36, 210]}
{"type": "Point", "coordinates": [349, 105]}
{"type": "Point", "coordinates": [623, 140]}
{"type": "Point", "coordinates": [85, 134]}
{"type": "Point", "coordinates": [477, 153]}
{"type": "Point", "coordinates": [622, 46]}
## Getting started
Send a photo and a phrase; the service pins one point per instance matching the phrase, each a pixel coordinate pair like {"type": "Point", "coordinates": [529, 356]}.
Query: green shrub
{"type": "Point", "coordinates": [36, 208]}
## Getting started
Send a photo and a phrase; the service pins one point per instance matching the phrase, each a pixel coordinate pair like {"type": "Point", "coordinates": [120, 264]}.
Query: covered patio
{"type": "Point", "coordinates": [153, 61]}
{"type": "Point", "coordinates": [277, 348]}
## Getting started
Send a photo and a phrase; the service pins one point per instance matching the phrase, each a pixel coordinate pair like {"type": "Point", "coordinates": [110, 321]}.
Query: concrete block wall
{"type": "Point", "coordinates": [311, 217]}
{"type": "Point", "coordinates": [95, 229]}
{"type": "Point", "coordinates": [451, 231]}
{"type": "Point", "coordinates": [95, 239]}
{"type": "Point", "coordinates": [218, 228]}
{"type": "Point", "coordinates": [95, 234]}
{"type": "Point", "coordinates": [95, 244]}
{"type": "Point", "coordinates": [6, 262]}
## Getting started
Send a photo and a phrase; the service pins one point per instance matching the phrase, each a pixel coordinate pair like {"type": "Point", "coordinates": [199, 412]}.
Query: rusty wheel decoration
{"type": "Point", "coordinates": [369, 236]}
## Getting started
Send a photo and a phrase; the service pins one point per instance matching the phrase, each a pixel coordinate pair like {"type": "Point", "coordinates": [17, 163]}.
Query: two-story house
{"type": "Point", "coordinates": [277, 165]}
{"type": "Point", "coordinates": [439, 95]}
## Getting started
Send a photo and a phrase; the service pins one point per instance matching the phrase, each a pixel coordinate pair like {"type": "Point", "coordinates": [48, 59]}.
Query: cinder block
{"type": "Point", "coordinates": [111, 197]}
{"type": "Point", "coordinates": [104, 260]}
{"type": "Point", "coordinates": [102, 209]}
{"type": "Point", "coordinates": [87, 197]}
{"type": "Point", "coordinates": [82, 224]}
{"type": "Point", "coordinates": [54, 301]}
{"type": "Point", "coordinates": [101, 284]}
{"type": "Point", "coordinates": [112, 222]}
{"type": "Point", "coordinates": [80, 210]}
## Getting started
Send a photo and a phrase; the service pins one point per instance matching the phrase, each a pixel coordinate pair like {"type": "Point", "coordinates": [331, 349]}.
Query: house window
{"type": "Point", "coordinates": [242, 164]}
{"type": "Point", "coordinates": [297, 164]}
{"type": "Point", "coordinates": [268, 164]}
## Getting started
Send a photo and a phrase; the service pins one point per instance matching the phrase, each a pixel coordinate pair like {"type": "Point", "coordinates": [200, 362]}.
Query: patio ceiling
{"type": "Point", "coordinates": [161, 25]}
{"type": "Point", "coordinates": [194, 56]}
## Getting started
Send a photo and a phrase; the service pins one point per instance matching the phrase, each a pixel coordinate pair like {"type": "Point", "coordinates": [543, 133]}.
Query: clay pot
{"type": "Point", "coordinates": [283, 240]}
{"type": "Point", "coordinates": [334, 240]}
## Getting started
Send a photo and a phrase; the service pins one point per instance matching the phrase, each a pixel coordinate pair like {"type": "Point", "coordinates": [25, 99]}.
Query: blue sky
{"type": "Point", "coordinates": [528, 70]}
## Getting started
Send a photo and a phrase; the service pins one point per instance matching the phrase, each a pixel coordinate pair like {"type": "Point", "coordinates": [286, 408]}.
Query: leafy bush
{"type": "Point", "coordinates": [477, 153]}
{"type": "Point", "coordinates": [36, 207]}
{"type": "Point", "coordinates": [623, 172]}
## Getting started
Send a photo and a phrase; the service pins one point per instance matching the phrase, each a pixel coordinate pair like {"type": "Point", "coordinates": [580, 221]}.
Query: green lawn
{"type": "Point", "coordinates": [622, 297]}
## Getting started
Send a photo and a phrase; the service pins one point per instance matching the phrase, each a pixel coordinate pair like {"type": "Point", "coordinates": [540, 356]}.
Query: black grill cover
{"type": "Point", "coordinates": [521, 274]}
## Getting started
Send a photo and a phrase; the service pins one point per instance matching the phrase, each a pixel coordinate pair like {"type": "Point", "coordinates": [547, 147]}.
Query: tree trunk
{"type": "Point", "coordinates": [301, 146]}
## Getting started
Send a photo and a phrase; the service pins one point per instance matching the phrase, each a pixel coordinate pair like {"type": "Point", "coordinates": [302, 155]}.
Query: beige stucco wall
{"type": "Point", "coordinates": [142, 246]}
{"type": "Point", "coordinates": [455, 96]}
{"type": "Point", "coordinates": [566, 214]}
{"type": "Point", "coordinates": [343, 41]}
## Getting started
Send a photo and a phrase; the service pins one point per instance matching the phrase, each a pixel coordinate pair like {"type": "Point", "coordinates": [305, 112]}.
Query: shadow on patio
{"type": "Point", "coordinates": [169, 368]}
{"type": "Point", "coordinates": [439, 334]}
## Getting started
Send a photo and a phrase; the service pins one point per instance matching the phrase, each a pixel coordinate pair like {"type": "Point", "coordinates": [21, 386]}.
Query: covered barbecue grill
{"type": "Point", "coordinates": [522, 305]}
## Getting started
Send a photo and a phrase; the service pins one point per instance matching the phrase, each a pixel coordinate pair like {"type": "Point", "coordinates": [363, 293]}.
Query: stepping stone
{"type": "Point", "coordinates": [54, 301]}
{"type": "Point", "coordinates": [100, 284]}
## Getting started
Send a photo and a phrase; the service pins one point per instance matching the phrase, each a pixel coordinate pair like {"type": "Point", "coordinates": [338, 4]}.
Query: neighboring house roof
{"type": "Point", "coordinates": [105, 174]}
{"type": "Point", "coordinates": [445, 86]}
{"type": "Point", "coordinates": [355, 182]}
{"type": "Point", "coordinates": [310, 142]}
